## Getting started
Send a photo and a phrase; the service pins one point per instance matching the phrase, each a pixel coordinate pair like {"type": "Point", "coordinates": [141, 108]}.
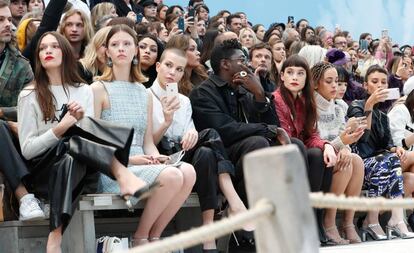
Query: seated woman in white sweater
{"type": "Point", "coordinates": [349, 171]}
{"type": "Point", "coordinates": [61, 162]}
{"type": "Point", "coordinates": [401, 118]}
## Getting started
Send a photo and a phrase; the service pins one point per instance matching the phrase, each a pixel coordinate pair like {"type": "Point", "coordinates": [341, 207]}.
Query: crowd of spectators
{"type": "Point", "coordinates": [89, 104]}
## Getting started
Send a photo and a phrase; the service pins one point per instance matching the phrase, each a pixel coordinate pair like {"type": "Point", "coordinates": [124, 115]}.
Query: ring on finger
{"type": "Point", "coordinates": [243, 73]}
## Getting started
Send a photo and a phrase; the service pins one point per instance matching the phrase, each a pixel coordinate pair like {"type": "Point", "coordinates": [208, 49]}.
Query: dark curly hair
{"type": "Point", "coordinates": [223, 51]}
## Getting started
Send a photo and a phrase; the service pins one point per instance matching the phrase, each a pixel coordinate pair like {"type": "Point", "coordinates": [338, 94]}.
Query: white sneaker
{"type": "Point", "coordinates": [30, 209]}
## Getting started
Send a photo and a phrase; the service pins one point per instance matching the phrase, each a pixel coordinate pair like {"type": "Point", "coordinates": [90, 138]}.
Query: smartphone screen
{"type": "Point", "coordinates": [191, 12]}
{"type": "Point", "coordinates": [139, 18]}
{"type": "Point", "coordinates": [363, 45]}
{"type": "Point", "coordinates": [172, 89]}
{"type": "Point", "coordinates": [181, 23]}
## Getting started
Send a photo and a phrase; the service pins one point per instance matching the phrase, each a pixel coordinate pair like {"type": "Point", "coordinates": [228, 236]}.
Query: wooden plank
{"type": "Point", "coordinates": [278, 174]}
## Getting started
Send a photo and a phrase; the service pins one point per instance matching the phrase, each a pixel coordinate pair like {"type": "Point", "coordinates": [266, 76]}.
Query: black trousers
{"type": "Point", "coordinates": [12, 164]}
{"type": "Point", "coordinates": [67, 169]}
{"type": "Point", "coordinates": [209, 159]}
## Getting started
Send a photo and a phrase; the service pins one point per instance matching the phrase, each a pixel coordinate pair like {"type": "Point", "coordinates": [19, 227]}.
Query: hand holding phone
{"type": "Point", "coordinates": [393, 93]}
{"type": "Point", "coordinates": [172, 89]}
{"type": "Point", "coordinates": [181, 24]}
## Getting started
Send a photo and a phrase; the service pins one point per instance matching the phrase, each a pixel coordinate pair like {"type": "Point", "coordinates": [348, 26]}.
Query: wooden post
{"type": "Point", "coordinates": [279, 175]}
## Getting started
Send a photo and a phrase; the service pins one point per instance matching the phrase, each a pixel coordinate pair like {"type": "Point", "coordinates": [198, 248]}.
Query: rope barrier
{"type": "Point", "coordinates": [320, 200]}
{"type": "Point", "coordinates": [262, 209]}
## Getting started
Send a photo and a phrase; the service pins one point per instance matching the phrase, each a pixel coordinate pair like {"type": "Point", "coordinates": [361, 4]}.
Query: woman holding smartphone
{"type": "Point", "coordinates": [121, 98]}
{"type": "Point", "coordinates": [60, 157]}
{"type": "Point", "coordinates": [173, 123]}
{"type": "Point", "coordinates": [382, 158]}
{"type": "Point", "coordinates": [348, 172]}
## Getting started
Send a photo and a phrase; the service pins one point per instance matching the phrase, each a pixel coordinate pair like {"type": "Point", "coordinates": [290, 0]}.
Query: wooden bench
{"type": "Point", "coordinates": [86, 226]}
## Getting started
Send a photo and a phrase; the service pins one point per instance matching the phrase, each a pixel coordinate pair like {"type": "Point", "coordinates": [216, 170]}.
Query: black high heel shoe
{"type": "Point", "coordinates": [142, 193]}
{"type": "Point", "coordinates": [410, 221]}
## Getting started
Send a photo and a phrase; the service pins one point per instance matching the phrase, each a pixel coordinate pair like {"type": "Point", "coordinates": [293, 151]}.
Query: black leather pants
{"type": "Point", "coordinates": [72, 166]}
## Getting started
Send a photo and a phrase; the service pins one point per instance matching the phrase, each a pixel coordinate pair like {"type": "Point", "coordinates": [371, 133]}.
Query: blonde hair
{"type": "Point", "coordinates": [90, 61]}
{"type": "Point", "coordinates": [135, 73]}
{"type": "Point", "coordinates": [86, 24]}
{"type": "Point", "coordinates": [248, 29]}
{"type": "Point", "coordinates": [100, 10]}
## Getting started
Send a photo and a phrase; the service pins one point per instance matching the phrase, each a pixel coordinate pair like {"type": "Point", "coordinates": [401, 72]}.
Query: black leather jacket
{"type": "Point", "coordinates": [234, 114]}
{"type": "Point", "coordinates": [376, 140]}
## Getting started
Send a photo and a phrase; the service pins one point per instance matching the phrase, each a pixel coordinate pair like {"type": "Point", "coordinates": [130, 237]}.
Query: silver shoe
{"type": "Point", "coordinates": [397, 231]}
{"type": "Point", "coordinates": [370, 231]}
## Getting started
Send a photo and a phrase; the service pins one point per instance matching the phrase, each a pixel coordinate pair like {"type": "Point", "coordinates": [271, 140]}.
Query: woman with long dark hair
{"type": "Point", "coordinates": [296, 108]}
{"type": "Point", "coordinates": [60, 156]}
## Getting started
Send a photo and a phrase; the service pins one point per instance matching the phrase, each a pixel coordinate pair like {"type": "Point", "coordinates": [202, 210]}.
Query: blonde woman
{"type": "Point", "coordinates": [99, 11]}
{"type": "Point", "coordinates": [247, 37]}
{"type": "Point", "coordinates": [94, 61]}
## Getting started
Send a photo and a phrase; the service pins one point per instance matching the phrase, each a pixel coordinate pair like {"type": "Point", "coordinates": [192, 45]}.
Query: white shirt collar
{"type": "Point", "coordinates": [157, 90]}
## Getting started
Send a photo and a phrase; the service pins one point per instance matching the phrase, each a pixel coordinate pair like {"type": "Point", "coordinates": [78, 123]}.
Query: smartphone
{"type": "Point", "coordinates": [175, 159]}
{"type": "Point", "coordinates": [384, 33]}
{"type": "Point", "coordinates": [181, 23]}
{"type": "Point", "coordinates": [162, 158]}
{"type": "Point", "coordinates": [363, 45]}
{"type": "Point", "coordinates": [393, 93]}
{"type": "Point", "coordinates": [139, 18]}
{"type": "Point", "coordinates": [291, 19]}
{"type": "Point", "coordinates": [172, 89]}
{"type": "Point", "coordinates": [191, 12]}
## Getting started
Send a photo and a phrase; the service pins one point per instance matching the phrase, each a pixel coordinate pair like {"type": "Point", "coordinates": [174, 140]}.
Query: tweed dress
{"type": "Point", "coordinates": [129, 107]}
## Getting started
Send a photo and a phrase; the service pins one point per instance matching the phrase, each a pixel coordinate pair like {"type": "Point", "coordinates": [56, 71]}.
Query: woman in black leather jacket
{"type": "Point", "coordinates": [382, 159]}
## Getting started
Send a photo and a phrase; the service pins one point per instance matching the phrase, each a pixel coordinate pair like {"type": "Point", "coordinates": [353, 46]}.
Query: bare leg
{"type": "Point", "coordinates": [372, 218]}
{"type": "Point", "coordinates": [227, 187]}
{"type": "Point", "coordinates": [171, 181]}
{"type": "Point", "coordinates": [128, 182]}
{"type": "Point", "coordinates": [208, 218]}
{"type": "Point", "coordinates": [408, 184]}
{"type": "Point", "coordinates": [340, 180]}
{"type": "Point", "coordinates": [353, 189]}
{"type": "Point", "coordinates": [397, 215]}
{"type": "Point", "coordinates": [20, 191]}
{"type": "Point", "coordinates": [54, 241]}
{"type": "Point", "coordinates": [168, 213]}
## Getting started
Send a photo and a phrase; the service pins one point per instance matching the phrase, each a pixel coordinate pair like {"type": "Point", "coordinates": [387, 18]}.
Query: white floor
{"type": "Point", "coordinates": [392, 246]}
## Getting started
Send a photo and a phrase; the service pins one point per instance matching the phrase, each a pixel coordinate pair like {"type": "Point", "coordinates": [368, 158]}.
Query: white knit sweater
{"type": "Point", "coordinates": [331, 120]}
{"type": "Point", "coordinates": [36, 135]}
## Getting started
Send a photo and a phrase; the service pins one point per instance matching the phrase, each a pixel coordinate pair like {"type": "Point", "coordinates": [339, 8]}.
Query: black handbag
{"type": "Point", "coordinates": [168, 146]}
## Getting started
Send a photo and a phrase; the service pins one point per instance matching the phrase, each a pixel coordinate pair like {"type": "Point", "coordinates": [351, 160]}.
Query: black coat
{"type": "Point", "coordinates": [376, 140]}
{"type": "Point", "coordinates": [122, 8]}
{"type": "Point", "coordinates": [216, 105]}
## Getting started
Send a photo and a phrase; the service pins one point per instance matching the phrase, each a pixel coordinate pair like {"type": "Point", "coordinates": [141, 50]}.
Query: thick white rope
{"type": "Point", "coordinates": [261, 210]}
{"type": "Point", "coordinates": [320, 200]}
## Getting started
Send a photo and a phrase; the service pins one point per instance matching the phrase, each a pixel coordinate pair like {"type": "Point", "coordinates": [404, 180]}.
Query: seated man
{"type": "Point", "coordinates": [261, 61]}
{"type": "Point", "coordinates": [232, 101]}
{"type": "Point", "coordinates": [15, 73]}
